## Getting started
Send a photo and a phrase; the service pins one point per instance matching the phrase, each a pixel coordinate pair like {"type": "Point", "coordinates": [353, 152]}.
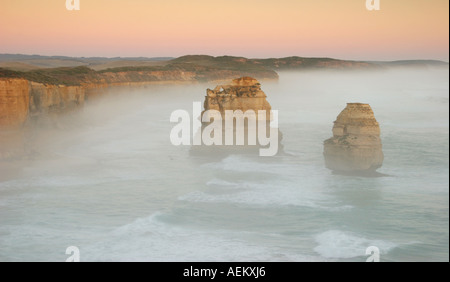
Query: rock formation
{"type": "Point", "coordinates": [242, 95]}
{"type": "Point", "coordinates": [62, 89]}
{"type": "Point", "coordinates": [49, 101]}
{"type": "Point", "coordinates": [14, 102]}
{"type": "Point", "coordinates": [356, 145]}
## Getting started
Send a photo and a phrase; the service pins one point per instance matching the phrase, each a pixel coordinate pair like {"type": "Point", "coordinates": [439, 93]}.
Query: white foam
{"type": "Point", "coordinates": [150, 239]}
{"type": "Point", "coordinates": [270, 192]}
{"type": "Point", "coordinates": [221, 182]}
{"type": "Point", "coordinates": [240, 163]}
{"type": "Point", "coordinates": [267, 183]}
{"type": "Point", "coordinates": [336, 244]}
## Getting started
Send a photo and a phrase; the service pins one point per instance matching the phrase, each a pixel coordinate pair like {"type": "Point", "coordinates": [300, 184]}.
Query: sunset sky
{"type": "Point", "coordinates": [402, 29]}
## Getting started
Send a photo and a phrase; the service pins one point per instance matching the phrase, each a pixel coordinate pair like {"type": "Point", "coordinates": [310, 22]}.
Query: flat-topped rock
{"type": "Point", "coordinates": [238, 110]}
{"type": "Point", "coordinates": [241, 94]}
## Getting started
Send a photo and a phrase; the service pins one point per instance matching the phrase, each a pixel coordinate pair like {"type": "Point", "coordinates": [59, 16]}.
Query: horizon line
{"type": "Point", "coordinates": [250, 58]}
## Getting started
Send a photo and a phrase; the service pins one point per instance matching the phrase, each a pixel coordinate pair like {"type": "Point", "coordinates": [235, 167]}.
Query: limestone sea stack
{"type": "Point", "coordinates": [355, 147]}
{"type": "Point", "coordinates": [243, 95]}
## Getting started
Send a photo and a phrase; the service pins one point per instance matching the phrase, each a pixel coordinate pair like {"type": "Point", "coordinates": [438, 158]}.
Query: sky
{"type": "Point", "coordinates": [344, 29]}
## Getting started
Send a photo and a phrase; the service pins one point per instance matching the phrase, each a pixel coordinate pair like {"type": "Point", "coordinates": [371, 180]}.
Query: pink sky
{"type": "Point", "coordinates": [402, 29]}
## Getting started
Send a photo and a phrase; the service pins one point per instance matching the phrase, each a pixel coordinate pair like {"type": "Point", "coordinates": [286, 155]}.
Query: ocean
{"type": "Point", "coordinates": [108, 181]}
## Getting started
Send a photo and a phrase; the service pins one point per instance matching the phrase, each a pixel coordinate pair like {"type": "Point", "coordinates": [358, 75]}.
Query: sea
{"type": "Point", "coordinates": [108, 181]}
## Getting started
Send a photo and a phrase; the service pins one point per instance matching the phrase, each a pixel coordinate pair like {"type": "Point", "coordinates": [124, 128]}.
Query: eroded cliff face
{"type": "Point", "coordinates": [51, 92]}
{"type": "Point", "coordinates": [14, 102]}
{"type": "Point", "coordinates": [356, 144]}
{"type": "Point", "coordinates": [14, 108]}
{"type": "Point", "coordinates": [24, 104]}
{"type": "Point", "coordinates": [22, 101]}
{"type": "Point", "coordinates": [48, 101]}
{"type": "Point", "coordinates": [148, 76]}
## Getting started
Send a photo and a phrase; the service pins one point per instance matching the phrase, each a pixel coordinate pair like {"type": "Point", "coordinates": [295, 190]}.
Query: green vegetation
{"type": "Point", "coordinates": [56, 76]}
{"type": "Point", "coordinates": [129, 69]}
{"type": "Point", "coordinates": [203, 71]}
{"type": "Point", "coordinates": [223, 62]}
{"type": "Point", "coordinates": [205, 67]}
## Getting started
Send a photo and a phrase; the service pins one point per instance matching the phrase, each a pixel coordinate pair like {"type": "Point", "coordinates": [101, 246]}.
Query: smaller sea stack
{"type": "Point", "coordinates": [355, 147]}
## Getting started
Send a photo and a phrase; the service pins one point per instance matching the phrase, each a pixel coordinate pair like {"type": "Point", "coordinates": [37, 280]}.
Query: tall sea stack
{"type": "Point", "coordinates": [242, 94]}
{"type": "Point", "coordinates": [244, 98]}
{"type": "Point", "coordinates": [355, 147]}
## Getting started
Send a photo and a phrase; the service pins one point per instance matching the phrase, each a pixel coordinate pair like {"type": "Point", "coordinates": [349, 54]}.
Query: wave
{"type": "Point", "coordinates": [272, 192]}
{"type": "Point", "coordinates": [152, 239]}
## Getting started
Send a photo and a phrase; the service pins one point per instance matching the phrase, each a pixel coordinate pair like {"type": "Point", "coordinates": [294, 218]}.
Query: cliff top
{"type": "Point", "coordinates": [358, 105]}
{"type": "Point", "coordinates": [174, 71]}
{"type": "Point", "coordinates": [78, 71]}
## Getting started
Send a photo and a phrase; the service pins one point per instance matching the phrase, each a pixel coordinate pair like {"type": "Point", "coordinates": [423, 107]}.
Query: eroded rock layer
{"type": "Point", "coordinates": [242, 94]}
{"type": "Point", "coordinates": [242, 112]}
{"type": "Point", "coordinates": [14, 102]}
{"type": "Point", "coordinates": [356, 144]}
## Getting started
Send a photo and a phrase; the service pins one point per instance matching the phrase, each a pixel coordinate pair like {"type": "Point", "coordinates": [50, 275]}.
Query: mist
{"type": "Point", "coordinates": [108, 180]}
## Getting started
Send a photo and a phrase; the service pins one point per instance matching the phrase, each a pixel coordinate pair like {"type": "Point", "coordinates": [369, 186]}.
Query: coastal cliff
{"type": "Point", "coordinates": [14, 108]}
{"type": "Point", "coordinates": [42, 93]}
{"type": "Point", "coordinates": [14, 102]}
{"type": "Point", "coordinates": [47, 101]}
{"type": "Point", "coordinates": [356, 145]}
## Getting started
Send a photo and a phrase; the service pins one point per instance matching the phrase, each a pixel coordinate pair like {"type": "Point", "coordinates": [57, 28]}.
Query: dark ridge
{"type": "Point", "coordinates": [22, 57]}
{"type": "Point", "coordinates": [205, 67]}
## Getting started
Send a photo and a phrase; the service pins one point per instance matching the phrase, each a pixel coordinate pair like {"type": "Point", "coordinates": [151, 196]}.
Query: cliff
{"type": "Point", "coordinates": [356, 145]}
{"type": "Point", "coordinates": [14, 107]}
{"type": "Point", "coordinates": [56, 90]}
{"type": "Point", "coordinates": [14, 102]}
{"type": "Point", "coordinates": [43, 93]}
{"type": "Point", "coordinates": [170, 73]}
{"type": "Point", "coordinates": [49, 101]}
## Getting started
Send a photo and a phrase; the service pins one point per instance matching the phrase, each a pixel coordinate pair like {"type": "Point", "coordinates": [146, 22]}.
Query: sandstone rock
{"type": "Point", "coordinates": [243, 94]}
{"type": "Point", "coordinates": [14, 102]}
{"type": "Point", "coordinates": [22, 100]}
{"type": "Point", "coordinates": [356, 145]}
{"type": "Point", "coordinates": [60, 98]}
